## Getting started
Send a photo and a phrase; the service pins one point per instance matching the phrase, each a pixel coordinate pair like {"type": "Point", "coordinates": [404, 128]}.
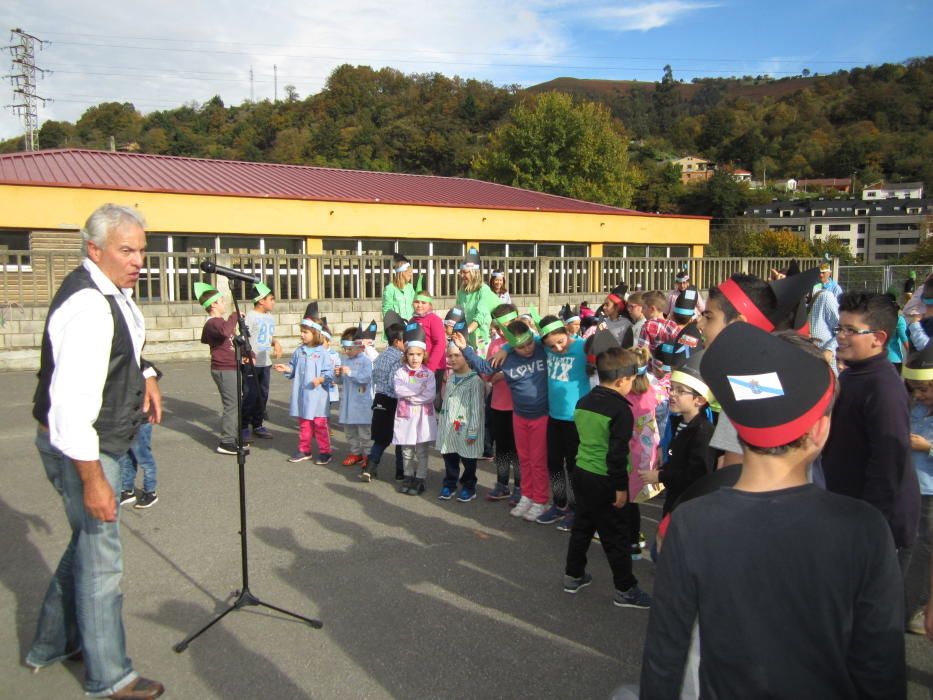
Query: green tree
{"type": "Point", "coordinates": [660, 188]}
{"type": "Point", "coordinates": [550, 144]}
{"type": "Point", "coordinates": [777, 244]}
{"type": "Point", "coordinates": [720, 197]}
{"type": "Point", "coordinates": [833, 246]}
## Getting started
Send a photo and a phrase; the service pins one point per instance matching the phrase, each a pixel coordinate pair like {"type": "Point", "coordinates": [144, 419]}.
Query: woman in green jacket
{"type": "Point", "coordinates": [477, 301]}
{"type": "Point", "coordinates": [399, 294]}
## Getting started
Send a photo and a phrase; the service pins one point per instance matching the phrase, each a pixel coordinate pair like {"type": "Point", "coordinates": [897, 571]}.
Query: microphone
{"type": "Point", "coordinates": [208, 266]}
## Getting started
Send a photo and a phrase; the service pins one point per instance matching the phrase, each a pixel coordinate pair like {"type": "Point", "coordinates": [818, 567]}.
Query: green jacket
{"type": "Point", "coordinates": [398, 300]}
{"type": "Point", "coordinates": [477, 307]}
{"type": "Point", "coordinates": [462, 415]}
{"type": "Point", "coordinates": [604, 423]}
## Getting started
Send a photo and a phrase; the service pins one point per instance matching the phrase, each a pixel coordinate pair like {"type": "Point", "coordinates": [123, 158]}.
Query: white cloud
{"type": "Point", "coordinates": [644, 16]}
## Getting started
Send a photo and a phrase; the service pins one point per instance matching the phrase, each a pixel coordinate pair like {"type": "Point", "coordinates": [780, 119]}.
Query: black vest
{"type": "Point", "coordinates": [121, 410]}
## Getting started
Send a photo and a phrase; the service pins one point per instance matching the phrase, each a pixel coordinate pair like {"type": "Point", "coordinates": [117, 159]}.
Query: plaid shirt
{"type": "Point", "coordinates": [384, 368]}
{"type": "Point", "coordinates": [657, 331]}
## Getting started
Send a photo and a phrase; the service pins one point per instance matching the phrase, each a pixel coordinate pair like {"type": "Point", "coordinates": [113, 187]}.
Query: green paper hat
{"type": "Point", "coordinates": [420, 294]}
{"type": "Point", "coordinates": [262, 291]}
{"type": "Point", "coordinates": [200, 288]}
{"type": "Point", "coordinates": [516, 340]}
{"type": "Point", "coordinates": [533, 312]}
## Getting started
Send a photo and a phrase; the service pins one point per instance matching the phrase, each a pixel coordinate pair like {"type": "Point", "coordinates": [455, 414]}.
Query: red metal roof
{"type": "Point", "coordinates": [173, 174]}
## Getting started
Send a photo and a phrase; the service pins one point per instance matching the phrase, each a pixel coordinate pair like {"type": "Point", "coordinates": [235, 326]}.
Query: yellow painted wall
{"type": "Point", "coordinates": [30, 207]}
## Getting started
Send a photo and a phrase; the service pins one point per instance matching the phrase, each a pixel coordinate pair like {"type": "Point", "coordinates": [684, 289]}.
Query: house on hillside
{"type": "Point", "coordinates": [893, 190]}
{"type": "Point", "coordinates": [694, 169]}
{"type": "Point", "coordinates": [822, 184]}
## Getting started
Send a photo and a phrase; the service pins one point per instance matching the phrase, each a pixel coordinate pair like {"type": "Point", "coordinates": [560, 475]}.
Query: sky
{"type": "Point", "coordinates": [162, 55]}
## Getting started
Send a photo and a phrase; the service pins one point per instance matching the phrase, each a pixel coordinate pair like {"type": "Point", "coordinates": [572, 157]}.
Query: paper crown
{"type": "Point", "coordinates": [689, 375]}
{"type": "Point", "coordinates": [369, 333]}
{"type": "Point", "coordinates": [513, 340]}
{"type": "Point", "coordinates": [455, 319]}
{"type": "Point", "coordinates": [506, 316]}
{"type": "Point", "coordinates": [691, 338]}
{"type": "Point", "coordinates": [682, 276]}
{"type": "Point", "coordinates": [354, 340]}
{"type": "Point", "coordinates": [617, 295]}
{"type": "Point", "coordinates": [790, 295]}
{"type": "Point", "coordinates": [686, 302]}
{"type": "Point", "coordinates": [200, 288]}
{"type": "Point", "coordinates": [307, 322]}
{"type": "Point", "coordinates": [262, 291]}
{"type": "Point", "coordinates": [400, 263]}
{"type": "Point", "coordinates": [772, 395]}
{"type": "Point", "coordinates": [393, 319]}
{"type": "Point", "coordinates": [549, 324]}
{"type": "Point", "coordinates": [919, 365]}
{"type": "Point", "coordinates": [497, 273]}
{"type": "Point", "coordinates": [415, 336]}
{"type": "Point", "coordinates": [670, 356]}
{"type": "Point", "coordinates": [420, 294]}
{"type": "Point", "coordinates": [471, 261]}
{"type": "Point", "coordinates": [569, 314]}
{"type": "Point", "coordinates": [598, 343]}
{"type": "Point", "coordinates": [311, 310]}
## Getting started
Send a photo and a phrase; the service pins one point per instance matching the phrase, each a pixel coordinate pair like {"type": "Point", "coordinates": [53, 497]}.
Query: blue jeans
{"type": "Point", "coordinates": [452, 471]}
{"type": "Point", "coordinates": [83, 607]}
{"type": "Point", "coordinates": [139, 455]}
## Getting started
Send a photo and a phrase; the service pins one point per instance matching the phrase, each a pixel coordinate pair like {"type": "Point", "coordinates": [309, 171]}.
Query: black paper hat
{"type": "Point", "coordinates": [682, 276]}
{"type": "Point", "coordinates": [791, 294]}
{"type": "Point", "coordinates": [772, 395]}
{"type": "Point", "coordinates": [686, 302]}
{"type": "Point", "coordinates": [393, 319]}
{"type": "Point", "coordinates": [669, 356]}
{"type": "Point", "coordinates": [617, 295]}
{"type": "Point", "coordinates": [597, 344]}
{"type": "Point", "coordinates": [689, 375]}
{"type": "Point", "coordinates": [471, 261]}
{"type": "Point", "coordinates": [353, 341]}
{"type": "Point", "coordinates": [369, 333]}
{"type": "Point", "coordinates": [690, 337]}
{"type": "Point", "coordinates": [400, 263]}
{"type": "Point", "coordinates": [311, 311]}
{"type": "Point", "coordinates": [919, 365]}
{"type": "Point", "coordinates": [569, 314]}
{"type": "Point", "coordinates": [415, 337]}
{"type": "Point", "coordinates": [455, 319]}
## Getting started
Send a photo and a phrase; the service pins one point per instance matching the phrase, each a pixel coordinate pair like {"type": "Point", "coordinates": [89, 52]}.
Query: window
{"type": "Point", "coordinates": [787, 212]}
{"type": "Point", "coordinates": [18, 241]}
{"type": "Point", "coordinates": [860, 243]}
{"type": "Point", "coordinates": [818, 212]}
{"type": "Point", "coordinates": [289, 246]}
{"type": "Point", "coordinates": [913, 210]}
{"type": "Point", "coordinates": [861, 228]}
{"type": "Point", "coordinates": [496, 250]}
{"type": "Point", "coordinates": [521, 250]}
{"type": "Point", "coordinates": [451, 248]}
{"type": "Point", "coordinates": [898, 227]}
{"type": "Point", "coordinates": [817, 229]}
{"type": "Point", "coordinates": [897, 241]}
{"type": "Point", "coordinates": [575, 251]}
{"type": "Point", "coordinates": [636, 251]}
{"type": "Point", "coordinates": [839, 227]}
{"type": "Point", "coordinates": [341, 246]}
{"type": "Point", "coordinates": [194, 244]}
{"type": "Point", "coordinates": [242, 245]}
{"type": "Point", "coordinates": [680, 251]}
{"type": "Point", "coordinates": [871, 194]}
{"type": "Point", "coordinates": [156, 243]}
{"type": "Point", "coordinates": [407, 248]}
{"type": "Point", "coordinates": [861, 212]}
{"type": "Point", "coordinates": [551, 250]}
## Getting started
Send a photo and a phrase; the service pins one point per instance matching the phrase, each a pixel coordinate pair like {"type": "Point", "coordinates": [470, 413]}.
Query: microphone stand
{"type": "Point", "coordinates": [244, 597]}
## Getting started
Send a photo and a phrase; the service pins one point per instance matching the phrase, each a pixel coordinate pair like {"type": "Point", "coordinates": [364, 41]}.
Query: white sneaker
{"type": "Point", "coordinates": [916, 625]}
{"type": "Point", "coordinates": [535, 512]}
{"type": "Point", "coordinates": [520, 508]}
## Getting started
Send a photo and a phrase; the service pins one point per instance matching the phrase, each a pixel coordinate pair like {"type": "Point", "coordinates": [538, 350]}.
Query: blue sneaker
{"type": "Point", "coordinates": [499, 492]}
{"type": "Point", "coordinates": [566, 524]}
{"type": "Point", "coordinates": [551, 515]}
{"type": "Point", "coordinates": [634, 597]}
{"type": "Point", "coordinates": [446, 494]}
{"type": "Point", "coordinates": [466, 495]}
{"type": "Point", "coordinates": [573, 584]}
{"type": "Point", "coordinates": [516, 496]}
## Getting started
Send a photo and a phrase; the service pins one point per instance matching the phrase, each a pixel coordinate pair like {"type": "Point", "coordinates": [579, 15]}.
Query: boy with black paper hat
{"type": "Point", "coordinates": [832, 621]}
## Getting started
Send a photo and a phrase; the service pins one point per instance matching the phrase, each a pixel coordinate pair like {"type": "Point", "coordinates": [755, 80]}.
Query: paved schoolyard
{"type": "Point", "coordinates": [419, 598]}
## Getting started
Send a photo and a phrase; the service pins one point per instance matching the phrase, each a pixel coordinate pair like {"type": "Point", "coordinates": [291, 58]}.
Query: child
{"type": "Point", "coordinates": [600, 480]}
{"type": "Point", "coordinates": [919, 375]}
{"type": "Point", "coordinates": [385, 401]}
{"type": "Point", "coordinates": [656, 329]}
{"type": "Point", "coordinates": [499, 416]}
{"type": "Point", "coordinates": [571, 319]}
{"type": "Point", "coordinates": [218, 334]}
{"type": "Point", "coordinates": [435, 335]}
{"type": "Point", "coordinates": [635, 305]}
{"type": "Point", "coordinates": [310, 368]}
{"type": "Point", "coordinates": [415, 421]}
{"type": "Point", "coordinates": [688, 455]}
{"type": "Point", "coordinates": [261, 326]}
{"type": "Point", "coordinates": [333, 389]}
{"type": "Point", "coordinates": [460, 427]}
{"type": "Point", "coordinates": [356, 404]}
{"type": "Point", "coordinates": [643, 447]}
{"type": "Point", "coordinates": [617, 321]}
{"type": "Point", "coordinates": [525, 372]}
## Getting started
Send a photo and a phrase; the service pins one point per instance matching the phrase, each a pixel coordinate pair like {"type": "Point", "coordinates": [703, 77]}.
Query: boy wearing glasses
{"type": "Point", "coordinates": [867, 455]}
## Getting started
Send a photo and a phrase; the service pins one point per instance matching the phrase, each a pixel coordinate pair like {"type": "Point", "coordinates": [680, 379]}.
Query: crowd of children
{"type": "Point", "coordinates": [594, 413]}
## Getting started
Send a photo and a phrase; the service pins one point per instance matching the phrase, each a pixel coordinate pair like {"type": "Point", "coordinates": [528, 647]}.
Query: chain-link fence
{"type": "Point", "coordinates": [880, 278]}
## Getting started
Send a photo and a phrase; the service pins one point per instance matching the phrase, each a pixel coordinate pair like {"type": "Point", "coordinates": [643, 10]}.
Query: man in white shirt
{"type": "Point", "coordinates": [92, 396]}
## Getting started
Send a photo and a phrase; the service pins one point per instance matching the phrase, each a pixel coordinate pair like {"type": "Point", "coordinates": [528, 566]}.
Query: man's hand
{"type": "Point", "coordinates": [621, 499]}
{"type": "Point", "coordinates": [152, 401]}
{"type": "Point", "coordinates": [99, 499]}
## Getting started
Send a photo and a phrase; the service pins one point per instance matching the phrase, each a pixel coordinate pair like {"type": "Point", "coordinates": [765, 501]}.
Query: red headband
{"type": "Point", "coordinates": [777, 435]}
{"type": "Point", "coordinates": [733, 292]}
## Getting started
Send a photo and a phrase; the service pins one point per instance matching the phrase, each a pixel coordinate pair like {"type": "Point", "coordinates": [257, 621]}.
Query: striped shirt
{"type": "Point", "coordinates": [384, 368]}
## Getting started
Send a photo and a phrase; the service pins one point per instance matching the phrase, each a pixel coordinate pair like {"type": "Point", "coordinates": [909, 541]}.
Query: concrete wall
{"type": "Point", "coordinates": [173, 331]}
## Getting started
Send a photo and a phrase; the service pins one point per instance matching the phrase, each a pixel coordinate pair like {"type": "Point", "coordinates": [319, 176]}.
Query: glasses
{"type": "Point", "coordinates": [681, 392]}
{"type": "Point", "coordinates": [846, 331]}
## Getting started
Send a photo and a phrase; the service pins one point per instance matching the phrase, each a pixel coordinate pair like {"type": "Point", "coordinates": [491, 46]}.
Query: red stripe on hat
{"type": "Point", "coordinates": [778, 435]}
{"type": "Point", "coordinates": [804, 330]}
{"type": "Point", "coordinates": [733, 292]}
{"type": "Point", "coordinates": [616, 300]}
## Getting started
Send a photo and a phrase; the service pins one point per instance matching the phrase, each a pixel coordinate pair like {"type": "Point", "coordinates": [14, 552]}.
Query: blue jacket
{"type": "Point", "coordinates": [356, 399]}
{"type": "Point", "coordinates": [309, 401]}
{"type": "Point", "coordinates": [526, 377]}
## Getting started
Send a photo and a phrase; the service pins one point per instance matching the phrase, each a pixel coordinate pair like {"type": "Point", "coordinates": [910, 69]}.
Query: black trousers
{"type": "Point", "coordinates": [595, 512]}
{"type": "Point", "coordinates": [382, 428]}
{"type": "Point", "coordinates": [503, 435]}
{"type": "Point", "coordinates": [255, 395]}
{"type": "Point", "coordinates": [562, 444]}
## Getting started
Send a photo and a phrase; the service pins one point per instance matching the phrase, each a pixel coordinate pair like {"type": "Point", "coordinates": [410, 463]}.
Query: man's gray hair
{"type": "Point", "coordinates": [107, 218]}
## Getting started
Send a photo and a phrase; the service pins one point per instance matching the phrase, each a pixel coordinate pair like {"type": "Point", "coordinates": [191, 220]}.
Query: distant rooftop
{"type": "Point", "coordinates": [173, 174]}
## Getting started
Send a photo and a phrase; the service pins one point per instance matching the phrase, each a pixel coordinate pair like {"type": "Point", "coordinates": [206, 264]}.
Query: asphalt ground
{"type": "Point", "coordinates": [419, 598]}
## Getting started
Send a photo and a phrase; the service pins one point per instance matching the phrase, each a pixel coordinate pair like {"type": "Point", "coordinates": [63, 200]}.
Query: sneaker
{"type": "Point", "coordinates": [127, 497]}
{"type": "Point", "coordinates": [300, 457]}
{"type": "Point", "coordinates": [535, 511]}
{"type": "Point", "coordinates": [466, 495]}
{"type": "Point", "coordinates": [572, 585]}
{"type": "Point", "coordinates": [551, 515]}
{"type": "Point", "coordinates": [405, 486]}
{"type": "Point", "coordinates": [566, 525]}
{"type": "Point", "coordinates": [642, 542]}
{"type": "Point", "coordinates": [262, 432]}
{"type": "Point", "coordinates": [521, 507]}
{"type": "Point", "coordinates": [635, 551]}
{"type": "Point", "coordinates": [446, 494]}
{"type": "Point", "coordinates": [226, 448]}
{"type": "Point", "coordinates": [634, 597]}
{"type": "Point", "coordinates": [516, 496]}
{"type": "Point", "coordinates": [416, 488]}
{"type": "Point", "coordinates": [368, 472]}
{"type": "Point", "coordinates": [324, 458]}
{"type": "Point", "coordinates": [499, 492]}
{"type": "Point", "coordinates": [140, 689]}
{"type": "Point", "coordinates": [244, 436]}
{"type": "Point", "coordinates": [399, 476]}
{"type": "Point", "coordinates": [146, 499]}
{"type": "Point", "coordinates": [488, 458]}
{"type": "Point", "coordinates": [596, 537]}
{"type": "Point", "coordinates": [916, 624]}
{"type": "Point", "coordinates": [350, 460]}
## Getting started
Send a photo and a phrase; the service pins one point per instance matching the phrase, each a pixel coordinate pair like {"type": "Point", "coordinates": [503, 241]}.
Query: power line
{"type": "Point", "coordinates": [23, 78]}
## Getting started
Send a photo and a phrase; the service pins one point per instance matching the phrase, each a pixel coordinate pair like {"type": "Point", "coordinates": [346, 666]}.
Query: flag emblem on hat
{"type": "Point", "coordinates": [751, 387]}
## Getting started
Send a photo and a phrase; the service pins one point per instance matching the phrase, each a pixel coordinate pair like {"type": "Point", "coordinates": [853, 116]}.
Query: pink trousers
{"type": "Point", "coordinates": [531, 445]}
{"type": "Point", "coordinates": [317, 429]}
